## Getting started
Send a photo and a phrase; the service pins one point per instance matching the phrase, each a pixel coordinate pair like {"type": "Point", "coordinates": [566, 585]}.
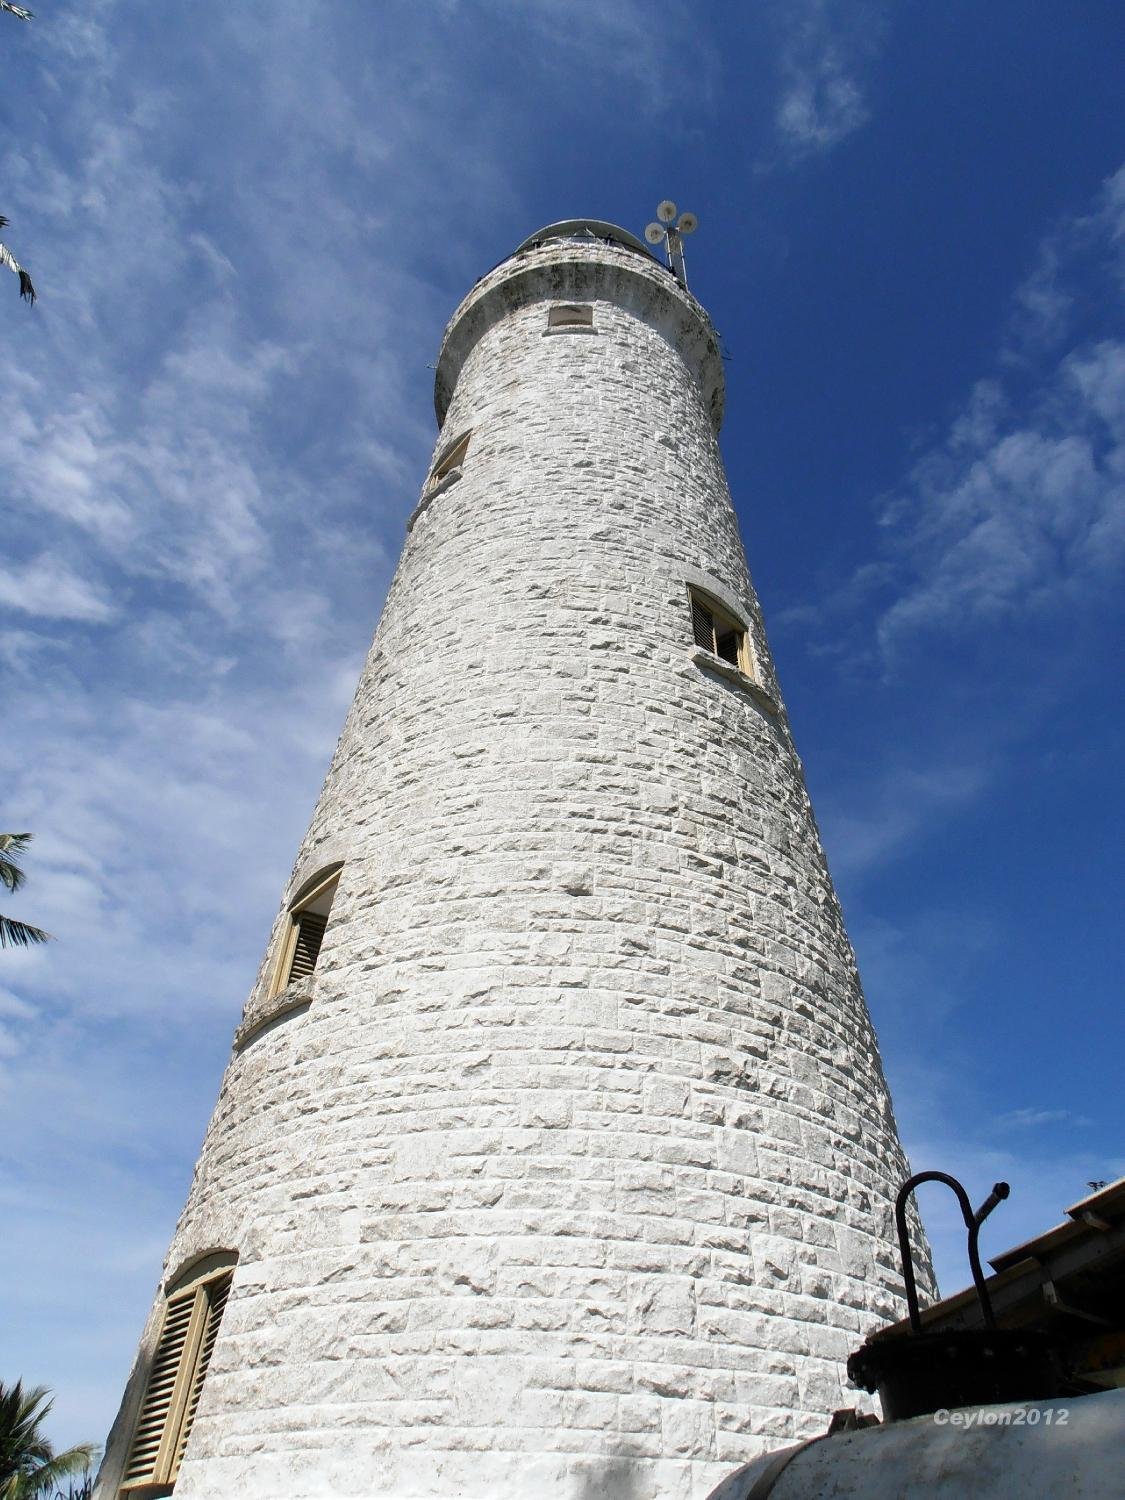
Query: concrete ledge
{"type": "Point", "coordinates": [431, 495]}
{"type": "Point", "coordinates": [712, 663]}
{"type": "Point", "coordinates": [284, 1006]}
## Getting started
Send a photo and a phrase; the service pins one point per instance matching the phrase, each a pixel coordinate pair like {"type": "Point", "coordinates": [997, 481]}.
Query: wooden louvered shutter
{"type": "Point", "coordinates": [215, 1294]}
{"type": "Point", "coordinates": [148, 1457]}
{"type": "Point", "coordinates": [728, 645]}
{"type": "Point", "coordinates": [308, 919]}
{"type": "Point", "coordinates": [306, 948]}
{"type": "Point", "coordinates": [703, 625]}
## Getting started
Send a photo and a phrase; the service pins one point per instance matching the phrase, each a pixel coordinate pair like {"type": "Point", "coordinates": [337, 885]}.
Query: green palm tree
{"type": "Point", "coordinates": [15, 934]}
{"type": "Point", "coordinates": [29, 1466]}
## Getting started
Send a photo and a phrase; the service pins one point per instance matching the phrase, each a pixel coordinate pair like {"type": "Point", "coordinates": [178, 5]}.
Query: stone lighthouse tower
{"type": "Point", "coordinates": [554, 1159]}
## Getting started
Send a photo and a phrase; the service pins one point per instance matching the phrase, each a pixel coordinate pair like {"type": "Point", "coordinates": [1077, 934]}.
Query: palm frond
{"type": "Point", "coordinates": [12, 849]}
{"type": "Point", "coordinates": [26, 288]}
{"type": "Point", "coordinates": [80, 1488]}
{"type": "Point", "coordinates": [20, 1414]}
{"type": "Point", "coordinates": [13, 933]}
{"type": "Point", "coordinates": [49, 1474]}
{"type": "Point", "coordinates": [16, 934]}
{"type": "Point", "coordinates": [16, 10]}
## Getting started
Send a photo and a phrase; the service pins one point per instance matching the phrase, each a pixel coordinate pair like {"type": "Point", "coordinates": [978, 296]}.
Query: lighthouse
{"type": "Point", "coordinates": [554, 1159]}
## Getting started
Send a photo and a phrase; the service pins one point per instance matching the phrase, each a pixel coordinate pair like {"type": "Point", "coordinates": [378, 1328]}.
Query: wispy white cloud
{"type": "Point", "coordinates": [1028, 522]}
{"type": "Point", "coordinates": [1019, 510]}
{"type": "Point", "coordinates": [48, 588]}
{"type": "Point", "coordinates": [1048, 300]}
{"type": "Point", "coordinates": [1022, 508]}
{"type": "Point", "coordinates": [1033, 1119]}
{"type": "Point", "coordinates": [617, 39]}
{"type": "Point", "coordinates": [895, 800]}
{"type": "Point", "coordinates": [822, 104]}
{"type": "Point", "coordinates": [827, 50]}
{"type": "Point", "coordinates": [923, 964]}
{"type": "Point", "coordinates": [1043, 303]}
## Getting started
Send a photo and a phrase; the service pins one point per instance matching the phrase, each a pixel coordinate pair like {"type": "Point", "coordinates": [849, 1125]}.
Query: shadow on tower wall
{"type": "Point", "coordinates": [615, 1479]}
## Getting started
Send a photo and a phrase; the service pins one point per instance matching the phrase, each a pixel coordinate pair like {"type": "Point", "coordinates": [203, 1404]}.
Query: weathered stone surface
{"type": "Point", "coordinates": [574, 1178]}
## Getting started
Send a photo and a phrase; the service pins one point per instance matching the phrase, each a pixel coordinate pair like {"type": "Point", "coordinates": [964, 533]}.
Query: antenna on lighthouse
{"type": "Point", "coordinates": [671, 231]}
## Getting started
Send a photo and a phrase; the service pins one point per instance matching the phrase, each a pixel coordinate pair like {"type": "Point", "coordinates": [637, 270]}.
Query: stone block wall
{"type": "Point", "coordinates": [571, 1174]}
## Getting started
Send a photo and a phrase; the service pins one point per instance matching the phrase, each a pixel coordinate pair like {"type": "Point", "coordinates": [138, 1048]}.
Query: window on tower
{"type": "Point", "coordinates": [449, 461]}
{"type": "Point", "coordinates": [308, 918]}
{"type": "Point", "coordinates": [717, 631]}
{"type": "Point", "coordinates": [571, 315]}
{"type": "Point", "coordinates": [193, 1312]}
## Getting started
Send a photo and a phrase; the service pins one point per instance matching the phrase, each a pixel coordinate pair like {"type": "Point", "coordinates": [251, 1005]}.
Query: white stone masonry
{"type": "Point", "coordinates": [569, 1173]}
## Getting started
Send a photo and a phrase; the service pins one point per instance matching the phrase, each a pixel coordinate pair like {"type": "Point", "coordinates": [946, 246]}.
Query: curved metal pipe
{"type": "Point", "coordinates": [973, 1221]}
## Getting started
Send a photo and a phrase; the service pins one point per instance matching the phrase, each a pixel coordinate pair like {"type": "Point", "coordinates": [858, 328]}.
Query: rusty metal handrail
{"type": "Point", "coordinates": [973, 1221]}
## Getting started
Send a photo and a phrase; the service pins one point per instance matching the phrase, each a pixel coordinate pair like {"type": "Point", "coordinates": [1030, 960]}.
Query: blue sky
{"type": "Point", "coordinates": [248, 225]}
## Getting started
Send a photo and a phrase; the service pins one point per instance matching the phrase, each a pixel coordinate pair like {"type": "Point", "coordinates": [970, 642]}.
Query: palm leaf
{"type": "Point", "coordinates": [15, 934]}
{"type": "Point", "coordinates": [12, 846]}
{"type": "Point", "coordinates": [49, 1474]}
{"type": "Point", "coordinates": [23, 15]}
{"type": "Point", "coordinates": [26, 288]}
{"type": "Point", "coordinates": [81, 1488]}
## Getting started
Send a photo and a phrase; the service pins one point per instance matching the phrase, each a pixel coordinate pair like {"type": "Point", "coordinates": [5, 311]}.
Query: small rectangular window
{"type": "Point", "coordinates": [571, 315]}
{"type": "Point", "coordinates": [449, 460]}
{"type": "Point", "coordinates": [719, 632]}
{"type": "Point", "coordinates": [308, 919]}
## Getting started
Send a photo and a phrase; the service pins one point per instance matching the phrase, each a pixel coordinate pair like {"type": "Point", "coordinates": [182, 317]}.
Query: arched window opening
{"type": "Point", "coordinates": [308, 919]}
{"type": "Point", "coordinates": [719, 632]}
{"type": "Point", "coordinates": [193, 1312]}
